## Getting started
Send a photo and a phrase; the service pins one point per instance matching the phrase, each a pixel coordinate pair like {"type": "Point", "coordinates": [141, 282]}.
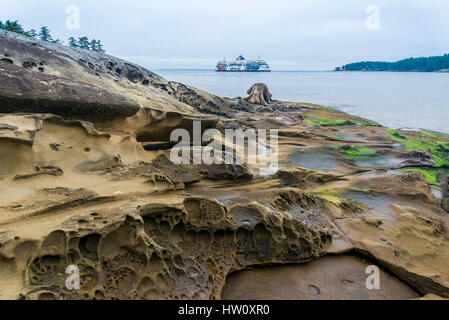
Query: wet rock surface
{"type": "Point", "coordinates": [329, 278]}
{"type": "Point", "coordinates": [86, 180]}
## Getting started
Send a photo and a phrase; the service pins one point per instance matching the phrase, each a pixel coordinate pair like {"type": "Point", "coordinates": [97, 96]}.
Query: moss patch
{"type": "Point", "coordinates": [337, 136]}
{"type": "Point", "coordinates": [438, 149]}
{"type": "Point", "coordinates": [362, 156]}
{"type": "Point", "coordinates": [356, 152]}
{"type": "Point", "coordinates": [366, 122]}
{"type": "Point", "coordinates": [329, 122]}
{"type": "Point", "coordinates": [436, 143]}
{"type": "Point", "coordinates": [342, 122]}
{"type": "Point", "coordinates": [330, 109]}
{"type": "Point", "coordinates": [431, 175]}
{"type": "Point", "coordinates": [333, 195]}
{"type": "Point", "coordinates": [434, 134]}
{"type": "Point", "coordinates": [327, 116]}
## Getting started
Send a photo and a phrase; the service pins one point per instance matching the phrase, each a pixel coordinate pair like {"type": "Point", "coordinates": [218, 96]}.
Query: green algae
{"type": "Point", "coordinates": [434, 134]}
{"type": "Point", "coordinates": [329, 122]}
{"type": "Point", "coordinates": [426, 140]}
{"type": "Point", "coordinates": [330, 109]}
{"type": "Point", "coordinates": [342, 122]}
{"type": "Point", "coordinates": [362, 156]}
{"type": "Point", "coordinates": [327, 190]}
{"type": "Point", "coordinates": [337, 136]}
{"type": "Point", "coordinates": [357, 152]}
{"type": "Point", "coordinates": [333, 195]}
{"type": "Point", "coordinates": [438, 149]}
{"type": "Point", "coordinates": [366, 123]}
{"type": "Point", "coordinates": [431, 175]}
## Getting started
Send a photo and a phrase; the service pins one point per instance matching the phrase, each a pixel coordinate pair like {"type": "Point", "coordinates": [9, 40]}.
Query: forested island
{"type": "Point", "coordinates": [423, 64]}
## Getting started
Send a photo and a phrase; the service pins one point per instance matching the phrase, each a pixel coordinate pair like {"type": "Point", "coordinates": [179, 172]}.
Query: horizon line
{"type": "Point", "coordinates": [210, 69]}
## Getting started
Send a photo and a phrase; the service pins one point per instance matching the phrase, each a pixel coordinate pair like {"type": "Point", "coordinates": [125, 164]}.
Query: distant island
{"type": "Point", "coordinates": [423, 64]}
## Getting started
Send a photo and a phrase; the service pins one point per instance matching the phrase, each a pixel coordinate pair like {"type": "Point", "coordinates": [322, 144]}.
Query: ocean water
{"type": "Point", "coordinates": [408, 100]}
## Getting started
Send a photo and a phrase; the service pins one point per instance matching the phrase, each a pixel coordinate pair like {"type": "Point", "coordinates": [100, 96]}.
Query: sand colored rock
{"type": "Point", "coordinates": [413, 247]}
{"type": "Point", "coordinates": [329, 278]}
{"type": "Point", "coordinates": [153, 251]}
{"type": "Point", "coordinates": [300, 177]}
{"type": "Point", "coordinates": [86, 179]}
{"type": "Point", "coordinates": [25, 91]}
{"type": "Point", "coordinates": [85, 83]}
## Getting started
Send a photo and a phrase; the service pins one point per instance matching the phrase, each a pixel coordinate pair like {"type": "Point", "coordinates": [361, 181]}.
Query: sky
{"type": "Point", "coordinates": [288, 34]}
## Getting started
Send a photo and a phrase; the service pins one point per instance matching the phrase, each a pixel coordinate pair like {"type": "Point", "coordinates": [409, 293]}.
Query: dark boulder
{"type": "Point", "coordinates": [22, 90]}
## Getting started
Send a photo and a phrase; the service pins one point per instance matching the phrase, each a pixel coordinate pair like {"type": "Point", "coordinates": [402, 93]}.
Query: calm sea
{"type": "Point", "coordinates": [398, 100]}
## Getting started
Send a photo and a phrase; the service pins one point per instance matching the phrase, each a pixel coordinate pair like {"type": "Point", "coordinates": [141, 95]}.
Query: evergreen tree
{"type": "Point", "coordinates": [32, 33]}
{"type": "Point", "coordinates": [100, 47]}
{"type": "Point", "coordinates": [73, 43]}
{"type": "Point", "coordinates": [13, 26]}
{"type": "Point", "coordinates": [83, 43]}
{"type": "Point", "coordinates": [422, 64]}
{"type": "Point", "coordinates": [44, 35]}
{"type": "Point", "coordinates": [93, 45]}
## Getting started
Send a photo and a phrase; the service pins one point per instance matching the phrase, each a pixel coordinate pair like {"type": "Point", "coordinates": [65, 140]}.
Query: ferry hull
{"type": "Point", "coordinates": [240, 64]}
{"type": "Point", "coordinates": [243, 70]}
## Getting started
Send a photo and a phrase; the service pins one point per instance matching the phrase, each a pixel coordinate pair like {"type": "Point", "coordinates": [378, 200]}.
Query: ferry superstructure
{"type": "Point", "coordinates": [240, 64]}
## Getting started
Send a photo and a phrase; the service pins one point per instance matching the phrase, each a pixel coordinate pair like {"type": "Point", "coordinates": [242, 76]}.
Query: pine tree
{"type": "Point", "coordinates": [13, 26]}
{"type": "Point", "coordinates": [100, 47]}
{"type": "Point", "coordinates": [93, 45]}
{"type": "Point", "coordinates": [44, 35]}
{"type": "Point", "coordinates": [84, 43]}
{"type": "Point", "coordinates": [32, 33]}
{"type": "Point", "coordinates": [73, 43]}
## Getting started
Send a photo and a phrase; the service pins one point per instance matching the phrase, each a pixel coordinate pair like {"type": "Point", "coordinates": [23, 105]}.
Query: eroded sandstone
{"type": "Point", "coordinates": [86, 179]}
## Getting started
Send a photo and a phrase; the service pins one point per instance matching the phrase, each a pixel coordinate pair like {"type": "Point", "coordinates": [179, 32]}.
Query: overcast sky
{"type": "Point", "coordinates": [289, 34]}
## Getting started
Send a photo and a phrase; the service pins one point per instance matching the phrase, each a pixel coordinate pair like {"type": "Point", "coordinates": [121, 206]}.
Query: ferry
{"type": "Point", "coordinates": [240, 64]}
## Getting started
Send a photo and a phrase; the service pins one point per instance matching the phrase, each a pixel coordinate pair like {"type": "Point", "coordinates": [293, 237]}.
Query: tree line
{"type": "Point", "coordinates": [45, 35]}
{"type": "Point", "coordinates": [424, 64]}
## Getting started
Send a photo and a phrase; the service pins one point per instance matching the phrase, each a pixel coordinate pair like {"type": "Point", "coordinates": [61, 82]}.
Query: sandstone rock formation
{"type": "Point", "coordinates": [328, 278]}
{"type": "Point", "coordinates": [86, 180]}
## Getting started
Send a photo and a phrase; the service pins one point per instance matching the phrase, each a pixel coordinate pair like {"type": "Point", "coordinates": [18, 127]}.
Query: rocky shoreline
{"type": "Point", "coordinates": [86, 180]}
